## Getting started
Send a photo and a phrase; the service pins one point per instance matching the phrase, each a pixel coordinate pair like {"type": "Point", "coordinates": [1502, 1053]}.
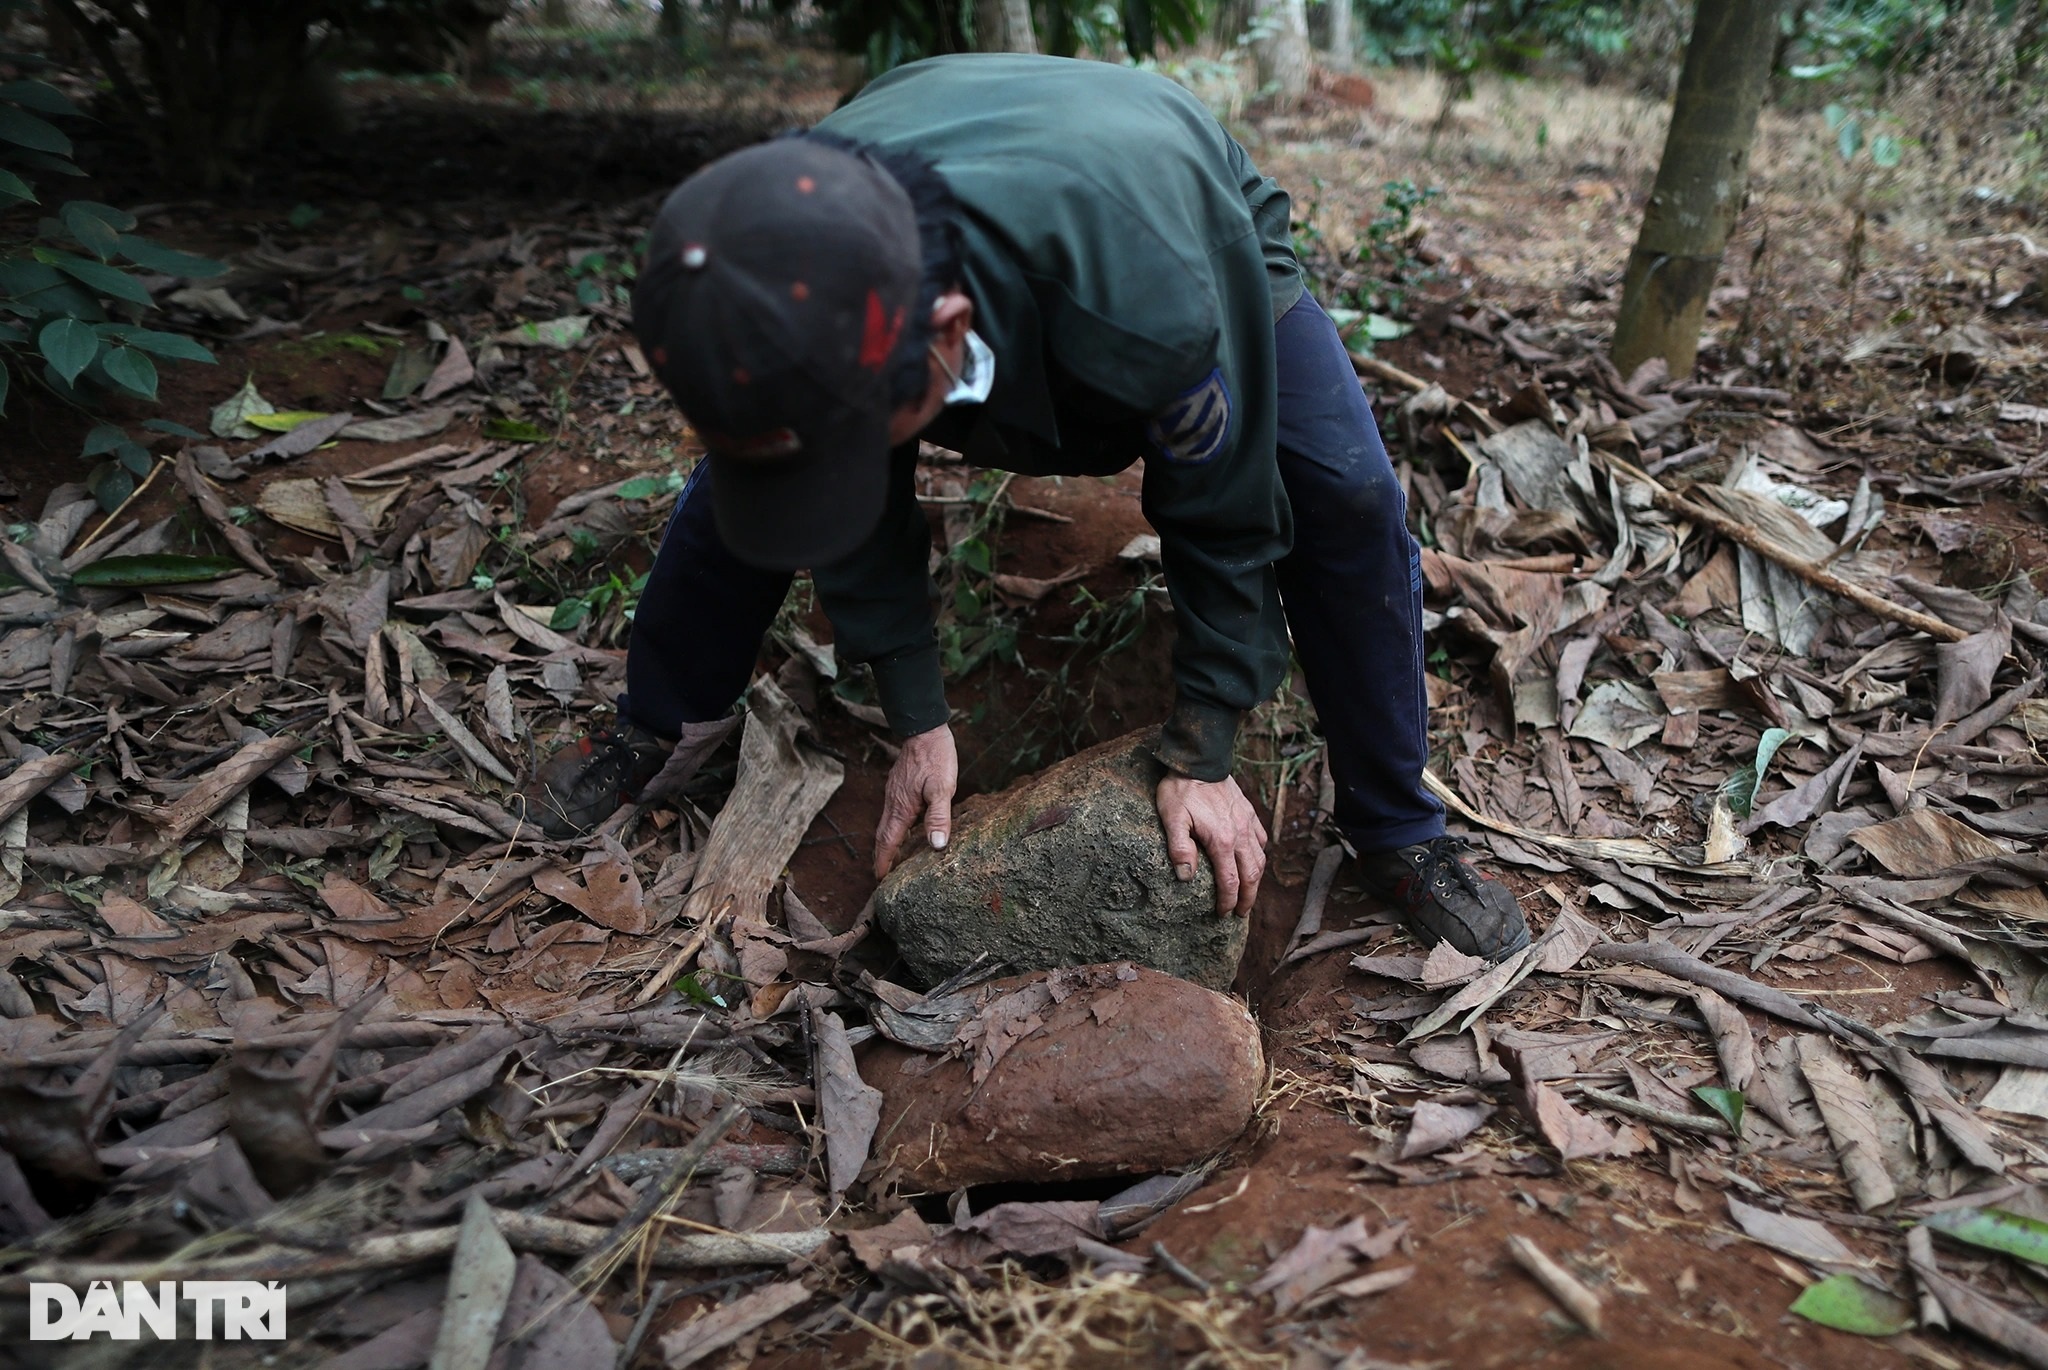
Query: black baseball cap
{"type": "Point", "coordinates": [778, 282]}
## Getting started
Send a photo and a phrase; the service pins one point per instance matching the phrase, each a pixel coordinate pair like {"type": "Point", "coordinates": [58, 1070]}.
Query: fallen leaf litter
{"type": "Point", "coordinates": [471, 1058]}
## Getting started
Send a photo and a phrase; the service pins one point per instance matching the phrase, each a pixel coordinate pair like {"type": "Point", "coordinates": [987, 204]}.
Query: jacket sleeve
{"type": "Point", "coordinates": [1223, 523]}
{"type": "Point", "coordinates": [880, 603]}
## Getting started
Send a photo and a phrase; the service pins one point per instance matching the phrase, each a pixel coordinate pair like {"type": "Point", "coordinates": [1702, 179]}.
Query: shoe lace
{"type": "Point", "coordinates": [611, 755]}
{"type": "Point", "coordinates": [1442, 862]}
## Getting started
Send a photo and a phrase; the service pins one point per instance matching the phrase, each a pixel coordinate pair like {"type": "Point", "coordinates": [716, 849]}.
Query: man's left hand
{"type": "Point", "coordinates": [1216, 815]}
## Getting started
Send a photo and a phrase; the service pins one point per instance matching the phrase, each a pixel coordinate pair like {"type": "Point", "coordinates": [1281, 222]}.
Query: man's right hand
{"type": "Point", "coordinates": [922, 781]}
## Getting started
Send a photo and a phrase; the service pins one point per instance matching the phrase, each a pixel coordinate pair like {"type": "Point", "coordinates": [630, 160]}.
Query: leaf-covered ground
{"type": "Point", "coordinates": [292, 988]}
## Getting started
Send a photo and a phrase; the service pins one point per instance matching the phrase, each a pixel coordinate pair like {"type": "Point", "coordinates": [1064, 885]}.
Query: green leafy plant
{"type": "Point", "coordinates": [1848, 36]}
{"type": "Point", "coordinates": [1740, 789]}
{"type": "Point", "coordinates": [600, 280]}
{"type": "Point", "coordinates": [1368, 293]}
{"type": "Point", "coordinates": [1854, 136]}
{"type": "Point", "coordinates": [610, 603]}
{"type": "Point", "coordinates": [974, 626]}
{"type": "Point", "coordinates": [71, 301]}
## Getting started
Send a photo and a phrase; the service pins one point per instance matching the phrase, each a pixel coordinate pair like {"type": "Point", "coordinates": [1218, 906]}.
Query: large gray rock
{"type": "Point", "coordinates": [1065, 868]}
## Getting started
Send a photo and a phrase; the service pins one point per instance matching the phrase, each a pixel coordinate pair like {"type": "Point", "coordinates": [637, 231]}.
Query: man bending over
{"type": "Point", "coordinates": [1052, 267]}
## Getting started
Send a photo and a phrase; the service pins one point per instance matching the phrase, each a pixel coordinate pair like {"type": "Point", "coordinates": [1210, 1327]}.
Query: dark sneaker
{"type": "Point", "coordinates": [585, 782]}
{"type": "Point", "coordinates": [1444, 900]}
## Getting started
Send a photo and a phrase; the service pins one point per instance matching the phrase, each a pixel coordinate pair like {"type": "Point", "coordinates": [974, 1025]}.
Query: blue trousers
{"type": "Point", "coordinates": [1351, 587]}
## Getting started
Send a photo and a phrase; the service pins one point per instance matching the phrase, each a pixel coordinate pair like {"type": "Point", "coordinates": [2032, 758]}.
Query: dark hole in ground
{"type": "Point", "coordinates": [936, 1208]}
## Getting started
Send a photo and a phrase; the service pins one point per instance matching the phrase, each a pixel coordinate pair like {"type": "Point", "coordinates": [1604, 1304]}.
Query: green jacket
{"type": "Point", "coordinates": [1127, 263]}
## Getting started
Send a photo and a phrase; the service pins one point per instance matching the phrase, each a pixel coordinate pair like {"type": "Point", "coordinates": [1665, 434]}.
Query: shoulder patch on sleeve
{"type": "Point", "coordinates": [1191, 430]}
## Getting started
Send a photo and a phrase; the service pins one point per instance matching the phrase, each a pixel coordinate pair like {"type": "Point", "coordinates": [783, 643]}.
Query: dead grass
{"type": "Point", "coordinates": [1588, 154]}
{"type": "Point", "coordinates": [1084, 1322]}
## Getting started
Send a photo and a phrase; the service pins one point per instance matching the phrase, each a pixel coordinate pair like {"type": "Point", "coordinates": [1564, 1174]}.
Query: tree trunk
{"type": "Point", "coordinates": [1341, 41]}
{"type": "Point", "coordinates": [1280, 51]}
{"type": "Point", "coordinates": [204, 79]}
{"type": "Point", "coordinates": [1018, 35]}
{"type": "Point", "coordinates": [674, 23]}
{"type": "Point", "coordinates": [65, 48]}
{"type": "Point", "coordinates": [1699, 184]}
{"type": "Point", "coordinates": [1003, 26]}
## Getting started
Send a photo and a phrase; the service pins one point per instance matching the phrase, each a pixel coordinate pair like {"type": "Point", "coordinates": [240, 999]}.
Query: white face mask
{"type": "Point", "coordinates": [978, 376]}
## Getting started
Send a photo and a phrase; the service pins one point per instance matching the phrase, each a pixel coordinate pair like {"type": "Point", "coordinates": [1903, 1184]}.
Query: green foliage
{"type": "Point", "coordinates": [652, 487]}
{"type": "Point", "coordinates": [203, 80]}
{"type": "Point", "coordinates": [70, 292]}
{"type": "Point", "coordinates": [1461, 37]}
{"type": "Point", "coordinates": [1368, 293]}
{"type": "Point", "coordinates": [600, 280]}
{"type": "Point", "coordinates": [1852, 137]}
{"type": "Point", "coordinates": [1994, 1229]}
{"type": "Point", "coordinates": [1726, 1103]}
{"type": "Point", "coordinates": [616, 595]}
{"type": "Point", "coordinates": [1848, 36]}
{"type": "Point", "coordinates": [162, 568]}
{"type": "Point", "coordinates": [891, 32]}
{"type": "Point", "coordinates": [974, 626]}
{"type": "Point", "coordinates": [1740, 789]}
{"type": "Point", "coordinates": [515, 430]}
{"type": "Point", "coordinates": [1846, 1304]}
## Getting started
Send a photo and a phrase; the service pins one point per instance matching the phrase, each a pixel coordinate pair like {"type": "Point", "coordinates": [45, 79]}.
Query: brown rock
{"type": "Point", "coordinates": [1128, 1072]}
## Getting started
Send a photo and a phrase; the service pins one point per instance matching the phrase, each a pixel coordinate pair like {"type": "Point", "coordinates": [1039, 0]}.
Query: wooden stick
{"type": "Point", "coordinates": [1394, 375]}
{"type": "Point", "coordinates": [1673, 502]}
{"type": "Point", "coordinates": [770, 1158]}
{"type": "Point", "coordinates": [1579, 1301]}
{"type": "Point", "coordinates": [526, 1231]}
{"type": "Point", "coordinates": [637, 1228]}
{"type": "Point", "coordinates": [119, 509]}
{"type": "Point", "coordinates": [1635, 1108]}
{"type": "Point", "coordinates": [1755, 394]}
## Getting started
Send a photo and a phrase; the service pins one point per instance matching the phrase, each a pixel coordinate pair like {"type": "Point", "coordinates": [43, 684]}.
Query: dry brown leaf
{"type": "Point", "coordinates": [1981, 1315]}
{"type": "Point", "coordinates": [1435, 1126]}
{"type": "Point", "coordinates": [350, 902]}
{"type": "Point", "coordinates": [54, 1129]}
{"type": "Point", "coordinates": [878, 1247]}
{"type": "Point", "coordinates": [1575, 1135]}
{"type": "Point", "coordinates": [1734, 1044]}
{"type": "Point", "coordinates": [30, 778]}
{"type": "Point", "coordinates": [1802, 1238]}
{"type": "Point", "coordinates": [1446, 966]}
{"type": "Point", "coordinates": [1319, 1258]}
{"type": "Point", "coordinates": [130, 919]}
{"type": "Point", "coordinates": [612, 897]}
{"type": "Point", "coordinates": [216, 510]}
{"type": "Point", "coordinates": [1052, 1228]}
{"type": "Point", "coordinates": [1851, 1119]}
{"type": "Point", "coordinates": [1964, 670]}
{"type": "Point", "coordinates": [1565, 942]}
{"type": "Point", "coordinates": [1925, 843]}
{"type": "Point", "coordinates": [721, 1327]}
{"type": "Point", "coordinates": [849, 1109]}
